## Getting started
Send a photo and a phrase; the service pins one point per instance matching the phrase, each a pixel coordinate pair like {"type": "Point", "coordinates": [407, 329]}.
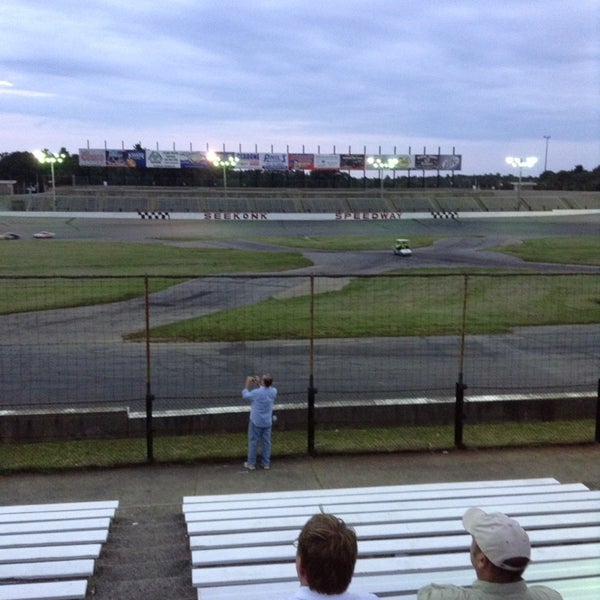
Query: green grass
{"type": "Point", "coordinates": [403, 306]}
{"type": "Point", "coordinates": [584, 250]}
{"type": "Point", "coordinates": [114, 271]}
{"type": "Point", "coordinates": [56, 257]}
{"type": "Point", "coordinates": [225, 446]}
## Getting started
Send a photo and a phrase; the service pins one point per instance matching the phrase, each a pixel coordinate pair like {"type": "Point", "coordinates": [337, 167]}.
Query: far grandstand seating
{"type": "Point", "coordinates": [309, 200]}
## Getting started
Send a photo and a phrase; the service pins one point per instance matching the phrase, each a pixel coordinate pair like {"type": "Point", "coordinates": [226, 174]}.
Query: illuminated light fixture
{"type": "Point", "coordinates": [521, 163]}
{"type": "Point", "coordinates": [381, 163]}
{"type": "Point", "coordinates": [227, 162]}
{"type": "Point", "coordinates": [44, 156]}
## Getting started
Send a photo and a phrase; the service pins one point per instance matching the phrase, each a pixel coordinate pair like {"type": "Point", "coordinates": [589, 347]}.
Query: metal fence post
{"type": "Point", "coordinates": [311, 387]}
{"type": "Point", "coordinates": [459, 416]}
{"type": "Point", "coordinates": [149, 396]}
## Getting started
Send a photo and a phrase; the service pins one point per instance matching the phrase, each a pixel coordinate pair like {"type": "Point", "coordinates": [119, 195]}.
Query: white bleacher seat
{"type": "Point", "coordinates": [51, 549]}
{"type": "Point", "coordinates": [408, 536]}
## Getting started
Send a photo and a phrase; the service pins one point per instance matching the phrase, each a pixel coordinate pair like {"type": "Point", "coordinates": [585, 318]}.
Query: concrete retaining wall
{"type": "Point", "coordinates": [31, 426]}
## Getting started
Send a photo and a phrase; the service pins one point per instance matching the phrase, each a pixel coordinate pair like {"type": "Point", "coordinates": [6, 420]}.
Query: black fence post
{"type": "Point", "coordinates": [459, 415]}
{"type": "Point", "coordinates": [149, 396]}
{"type": "Point", "coordinates": [311, 382]}
{"type": "Point", "coordinates": [311, 416]}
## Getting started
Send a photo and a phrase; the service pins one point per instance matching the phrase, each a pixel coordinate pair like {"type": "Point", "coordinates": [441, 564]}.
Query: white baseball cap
{"type": "Point", "coordinates": [499, 537]}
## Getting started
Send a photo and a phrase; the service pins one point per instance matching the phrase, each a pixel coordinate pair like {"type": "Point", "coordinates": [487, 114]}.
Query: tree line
{"type": "Point", "coordinates": [32, 176]}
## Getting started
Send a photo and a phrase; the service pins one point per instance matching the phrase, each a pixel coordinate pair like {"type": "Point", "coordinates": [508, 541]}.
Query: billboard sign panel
{"type": "Point", "coordinates": [399, 161]}
{"type": "Point", "coordinates": [352, 162]}
{"type": "Point", "coordinates": [193, 160]}
{"type": "Point", "coordinates": [161, 159]}
{"type": "Point", "coordinates": [450, 162]}
{"type": "Point", "coordinates": [248, 160]}
{"type": "Point", "coordinates": [274, 162]}
{"type": "Point", "coordinates": [89, 157]}
{"type": "Point", "coordinates": [327, 162]}
{"type": "Point", "coordinates": [304, 162]}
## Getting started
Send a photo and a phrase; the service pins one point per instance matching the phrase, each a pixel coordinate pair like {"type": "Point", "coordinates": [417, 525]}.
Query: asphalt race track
{"type": "Point", "coordinates": [224, 366]}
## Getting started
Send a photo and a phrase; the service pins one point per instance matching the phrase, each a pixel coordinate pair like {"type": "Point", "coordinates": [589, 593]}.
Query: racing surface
{"type": "Point", "coordinates": [465, 244]}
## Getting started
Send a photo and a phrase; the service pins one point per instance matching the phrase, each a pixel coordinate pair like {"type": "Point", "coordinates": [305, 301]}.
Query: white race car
{"type": "Point", "coordinates": [44, 235]}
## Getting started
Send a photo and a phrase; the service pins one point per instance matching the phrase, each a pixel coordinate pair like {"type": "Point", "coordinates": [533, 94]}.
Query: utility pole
{"type": "Point", "coordinates": [546, 137]}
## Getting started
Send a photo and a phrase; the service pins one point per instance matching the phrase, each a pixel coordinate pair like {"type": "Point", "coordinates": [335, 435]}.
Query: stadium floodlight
{"type": "Point", "coordinates": [381, 163]}
{"type": "Point", "coordinates": [521, 163]}
{"type": "Point", "coordinates": [44, 156]}
{"type": "Point", "coordinates": [229, 161]}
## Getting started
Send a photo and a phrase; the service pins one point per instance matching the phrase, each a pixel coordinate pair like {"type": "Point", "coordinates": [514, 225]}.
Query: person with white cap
{"type": "Point", "coordinates": [500, 553]}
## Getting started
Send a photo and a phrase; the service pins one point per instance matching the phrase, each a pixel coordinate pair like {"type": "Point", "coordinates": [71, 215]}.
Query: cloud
{"type": "Point", "coordinates": [294, 72]}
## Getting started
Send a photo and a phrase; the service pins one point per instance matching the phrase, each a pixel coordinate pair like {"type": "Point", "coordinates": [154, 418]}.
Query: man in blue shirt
{"type": "Point", "coordinates": [261, 418]}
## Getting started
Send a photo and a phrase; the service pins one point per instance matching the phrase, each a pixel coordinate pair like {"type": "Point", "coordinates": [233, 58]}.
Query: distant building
{"type": "Point", "coordinates": [7, 187]}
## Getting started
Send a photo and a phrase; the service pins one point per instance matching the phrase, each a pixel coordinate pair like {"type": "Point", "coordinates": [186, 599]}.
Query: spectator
{"type": "Point", "coordinates": [500, 553]}
{"type": "Point", "coordinates": [261, 419]}
{"type": "Point", "coordinates": [325, 560]}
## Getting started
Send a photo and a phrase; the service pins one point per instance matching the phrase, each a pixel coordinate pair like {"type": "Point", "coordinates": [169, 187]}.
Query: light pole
{"type": "Point", "coordinates": [546, 137]}
{"type": "Point", "coordinates": [521, 163]}
{"type": "Point", "coordinates": [44, 156]}
{"type": "Point", "coordinates": [380, 163]}
{"type": "Point", "coordinates": [230, 161]}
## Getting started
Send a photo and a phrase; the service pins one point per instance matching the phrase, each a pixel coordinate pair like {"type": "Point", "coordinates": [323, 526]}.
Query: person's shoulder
{"type": "Point", "coordinates": [542, 592]}
{"type": "Point", "coordinates": [435, 591]}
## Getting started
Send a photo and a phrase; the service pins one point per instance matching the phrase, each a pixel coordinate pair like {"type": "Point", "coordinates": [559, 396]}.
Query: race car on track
{"type": "Point", "coordinates": [44, 235]}
{"type": "Point", "coordinates": [9, 235]}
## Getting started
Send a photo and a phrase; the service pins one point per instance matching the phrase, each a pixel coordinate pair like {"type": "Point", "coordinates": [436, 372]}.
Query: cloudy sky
{"type": "Point", "coordinates": [485, 78]}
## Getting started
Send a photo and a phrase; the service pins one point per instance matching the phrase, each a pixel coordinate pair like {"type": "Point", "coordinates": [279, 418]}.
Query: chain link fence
{"type": "Point", "coordinates": [107, 370]}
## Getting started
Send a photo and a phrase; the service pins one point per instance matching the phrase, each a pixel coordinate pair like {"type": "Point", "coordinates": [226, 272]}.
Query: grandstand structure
{"type": "Point", "coordinates": [295, 200]}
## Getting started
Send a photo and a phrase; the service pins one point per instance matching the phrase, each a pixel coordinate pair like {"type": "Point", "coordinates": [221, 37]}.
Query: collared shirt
{"type": "Point", "coordinates": [305, 593]}
{"type": "Point", "coordinates": [485, 590]}
{"type": "Point", "coordinates": [261, 404]}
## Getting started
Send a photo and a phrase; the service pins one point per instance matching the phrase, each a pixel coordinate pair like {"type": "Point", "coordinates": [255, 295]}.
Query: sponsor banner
{"type": "Point", "coordinates": [116, 158]}
{"type": "Point", "coordinates": [352, 162]}
{"type": "Point", "coordinates": [327, 162]}
{"type": "Point", "coordinates": [304, 162]}
{"type": "Point", "coordinates": [439, 162]}
{"type": "Point", "coordinates": [427, 161]}
{"type": "Point", "coordinates": [161, 159]}
{"type": "Point", "coordinates": [274, 162]}
{"type": "Point", "coordinates": [193, 160]}
{"type": "Point", "coordinates": [399, 162]}
{"type": "Point", "coordinates": [248, 160]}
{"type": "Point", "coordinates": [89, 157]}
{"type": "Point", "coordinates": [135, 159]}
{"type": "Point", "coordinates": [405, 161]}
{"type": "Point", "coordinates": [95, 157]}
{"type": "Point", "coordinates": [450, 162]}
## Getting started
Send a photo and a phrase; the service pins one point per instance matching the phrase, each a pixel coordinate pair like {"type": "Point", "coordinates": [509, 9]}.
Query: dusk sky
{"type": "Point", "coordinates": [485, 78]}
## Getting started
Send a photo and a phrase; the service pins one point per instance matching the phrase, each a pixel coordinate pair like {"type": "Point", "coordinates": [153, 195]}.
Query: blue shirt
{"type": "Point", "coordinates": [261, 404]}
